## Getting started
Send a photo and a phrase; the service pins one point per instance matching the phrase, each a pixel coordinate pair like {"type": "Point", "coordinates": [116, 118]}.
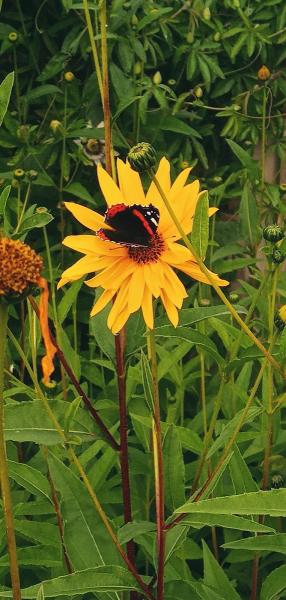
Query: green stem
{"type": "Point", "coordinates": [263, 137]}
{"type": "Point", "coordinates": [5, 487]}
{"type": "Point", "coordinates": [211, 280]}
{"type": "Point", "coordinates": [17, 88]}
{"type": "Point", "coordinates": [74, 459]}
{"type": "Point", "coordinates": [159, 471]}
{"type": "Point", "coordinates": [93, 47]}
{"type": "Point", "coordinates": [23, 208]}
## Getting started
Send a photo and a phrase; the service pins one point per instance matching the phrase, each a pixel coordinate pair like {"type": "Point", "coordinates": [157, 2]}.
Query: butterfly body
{"type": "Point", "coordinates": [133, 225]}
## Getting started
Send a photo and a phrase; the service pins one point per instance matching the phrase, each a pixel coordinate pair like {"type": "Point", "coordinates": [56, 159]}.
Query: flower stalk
{"type": "Point", "coordinates": [5, 486]}
{"type": "Point", "coordinates": [158, 470]}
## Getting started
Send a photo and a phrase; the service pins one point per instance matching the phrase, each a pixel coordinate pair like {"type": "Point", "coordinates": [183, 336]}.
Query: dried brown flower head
{"type": "Point", "coordinates": [20, 267]}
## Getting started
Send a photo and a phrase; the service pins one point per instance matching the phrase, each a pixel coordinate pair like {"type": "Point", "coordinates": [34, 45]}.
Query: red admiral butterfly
{"type": "Point", "coordinates": [132, 225]}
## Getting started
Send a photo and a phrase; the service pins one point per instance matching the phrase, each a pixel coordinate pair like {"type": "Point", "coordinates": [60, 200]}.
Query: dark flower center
{"type": "Point", "coordinates": [152, 253]}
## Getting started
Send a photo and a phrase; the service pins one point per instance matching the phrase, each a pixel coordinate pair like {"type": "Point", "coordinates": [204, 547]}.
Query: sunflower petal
{"type": "Point", "coordinates": [87, 217]}
{"type": "Point", "coordinates": [136, 289]}
{"type": "Point", "coordinates": [193, 269]}
{"type": "Point", "coordinates": [121, 319]}
{"type": "Point", "coordinates": [102, 301]}
{"type": "Point", "coordinates": [130, 184]}
{"type": "Point", "coordinates": [163, 176]}
{"type": "Point", "coordinates": [90, 244]}
{"type": "Point", "coordinates": [147, 308]}
{"type": "Point", "coordinates": [113, 276]}
{"type": "Point", "coordinates": [110, 190]}
{"type": "Point", "coordinates": [119, 303]}
{"type": "Point", "coordinates": [83, 266]}
{"type": "Point", "coordinates": [180, 182]}
{"type": "Point", "coordinates": [170, 309]}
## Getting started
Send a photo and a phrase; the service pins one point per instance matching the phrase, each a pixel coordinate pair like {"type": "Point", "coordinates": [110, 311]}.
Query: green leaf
{"type": "Point", "coordinates": [228, 521]}
{"type": "Point", "coordinates": [83, 528]}
{"type": "Point", "coordinates": [271, 503]}
{"type": "Point", "coordinates": [229, 429]}
{"type": "Point", "coordinates": [45, 556]}
{"type": "Point", "coordinates": [177, 126]}
{"type": "Point", "coordinates": [240, 474]}
{"type": "Point", "coordinates": [44, 533]}
{"type": "Point", "coordinates": [99, 579]}
{"type": "Point", "coordinates": [249, 215]}
{"type": "Point", "coordinates": [29, 478]}
{"type": "Point", "coordinates": [189, 316]}
{"type": "Point", "coordinates": [246, 160]}
{"type": "Point", "coordinates": [215, 576]}
{"type": "Point", "coordinates": [3, 200]}
{"type": "Point", "coordinates": [37, 220]}
{"type": "Point", "coordinates": [194, 337]}
{"type": "Point", "coordinates": [200, 230]}
{"type": "Point", "coordinates": [188, 438]}
{"type": "Point", "coordinates": [274, 584]}
{"type": "Point", "coordinates": [40, 91]}
{"type": "Point", "coordinates": [40, 594]}
{"type": "Point", "coordinates": [78, 190]}
{"type": "Point", "coordinates": [131, 530]}
{"type": "Point", "coordinates": [269, 543]}
{"type": "Point", "coordinates": [68, 300]}
{"type": "Point", "coordinates": [5, 93]}
{"type": "Point", "coordinates": [174, 470]}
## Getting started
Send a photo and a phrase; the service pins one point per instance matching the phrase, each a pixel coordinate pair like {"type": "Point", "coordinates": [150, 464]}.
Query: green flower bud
{"type": "Point", "coordinates": [23, 132]}
{"type": "Point", "coordinates": [13, 36]}
{"type": "Point", "coordinates": [32, 175]}
{"type": "Point", "coordinates": [142, 157]}
{"type": "Point", "coordinates": [282, 187]}
{"type": "Point", "coordinates": [277, 481]}
{"type": "Point", "coordinates": [190, 37]}
{"type": "Point", "coordinates": [207, 13]}
{"type": "Point", "coordinates": [217, 36]}
{"type": "Point", "coordinates": [198, 91]}
{"type": "Point", "coordinates": [233, 297]}
{"type": "Point", "coordinates": [137, 68]}
{"type": "Point", "coordinates": [157, 78]}
{"type": "Point", "coordinates": [204, 302]}
{"type": "Point", "coordinates": [19, 173]}
{"type": "Point", "coordinates": [277, 256]}
{"type": "Point", "coordinates": [171, 81]}
{"type": "Point", "coordinates": [273, 233]}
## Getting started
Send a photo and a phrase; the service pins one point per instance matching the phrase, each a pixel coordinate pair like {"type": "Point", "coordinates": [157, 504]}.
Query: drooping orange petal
{"type": "Point", "coordinates": [110, 190]}
{"type": "Point", "coordinates": [130, 184]}
{"type": "Point", "coordinates": [87, 217]}
{"type": "Point", "coordinates": [47, 361]}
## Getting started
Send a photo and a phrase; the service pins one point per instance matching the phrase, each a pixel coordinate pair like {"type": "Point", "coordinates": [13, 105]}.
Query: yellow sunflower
{"type": "Point", "coordinates": [133, 275]}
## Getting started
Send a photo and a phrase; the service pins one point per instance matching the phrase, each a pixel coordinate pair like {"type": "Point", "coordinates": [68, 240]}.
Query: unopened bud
{"type": "Point", "coordinates": [280, 318]}
{"type": "Point", "coordinates": [190, 37]}
{"type": "Point", "coordinates": [69, 76]}
{"type": "Point", "coordinates": [263, 73]}
{"type": "Point", "coordinates": [277, 256]}
{"type": "Point", "coordinates": [142, 157]}
{"type": "Point", "coordinates": [13, 36]}
{"type": "Point", "coordinates": [207, 13]}
{"type": "Point", "coordinates": [217, 36]}
{"type": "Point", "coordinates": [19, 173]}
{"type": "Point", "coordinates": [157, 78]}
{"type": "Point", "coordinates": [137, 68]}
{"type": "Point", "coordinates": [55, 125]}
{"type": "Point", "coordinates": [234, 297]}
{"type": "Point", "coordinates": [204, 302]}
{"type": "Point", "coordinates": [198, 91]}
{"type": "Point", "coordinates": [32, 175]}
{"type": "Point", "coordinates": [277, 481]}
{"type": "Point", "coordinates": [273, 233]}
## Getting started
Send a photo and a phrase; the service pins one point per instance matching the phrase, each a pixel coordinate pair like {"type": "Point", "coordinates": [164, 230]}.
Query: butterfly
{"type": "Point", "coordinates": [133, 225]}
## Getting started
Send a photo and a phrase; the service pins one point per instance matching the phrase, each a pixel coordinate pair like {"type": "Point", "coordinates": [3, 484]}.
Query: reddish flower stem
{"type": "Point", "coordinates": [104, 430]}
{"type": "Point", "coordinates": [124, 462]}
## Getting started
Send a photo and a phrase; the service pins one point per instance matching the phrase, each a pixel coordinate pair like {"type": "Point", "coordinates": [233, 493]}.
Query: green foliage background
{"type": "Point", "coordinates": [184, 77]}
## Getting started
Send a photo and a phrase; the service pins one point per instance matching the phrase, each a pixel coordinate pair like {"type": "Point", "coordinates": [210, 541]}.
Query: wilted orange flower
{"type": "Point", "coordinates": [134, 275]}
{"type": "Point", "coordinates": [20, 270]}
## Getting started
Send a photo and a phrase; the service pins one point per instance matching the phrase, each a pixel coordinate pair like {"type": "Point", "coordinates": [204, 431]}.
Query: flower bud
{"type": "Point", "coordinates": [134, 20]}
{"type": "Point", "coordinates": [233, 297]}
{"type": "Point", "coordinates": [280, 318]}
{"type": "Point", "coordinates": [55, 125]}
{"type": "Point", "coordinates": [137, 68]}
{"type": "Point", "coordinates": [236, 3]}
{"type": "Point", "coordinates": [217, 36]}
{"type": "Point", "coordinates": [282, 187]}
{"type": "Point", "coordinates": [184, 164]}
{"type": "Point", "coordinates": [142, 157]}
{"type": "Point", "coordinates": [198, 91]}
{"type": "Point", "coordinates": [263, 73]}
{"type": "Point", "coordinates": [277, 256]}
{"type": "Point", "coordinates": [157, 78]}
{"type": "Point", "coordinates": [13, 36]}
{"type": "Point", "coordinates": [19, 173]}
{"type": "Point", "coordinates": [273, 233]}
{"type": "Point", "coordinates": [69, 76]}
{"type": "Point", "coordinates": [23, 132]}
{"type": "Point", "coordinates": [204, 302]}
{"type": "Point", "coordinates": [32, 175]}
{"type": "Point", "coordinates": [190, 37]}
{"type": "Point", "coordinates": [277, 481]}
{"type": "Point", "coordinates": [172, 81]}
{"type": "Point", "coordinates": [207, 13]}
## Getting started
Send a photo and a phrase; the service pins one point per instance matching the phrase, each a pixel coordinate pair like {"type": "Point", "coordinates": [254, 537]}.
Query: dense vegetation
{"type": "Point", "coordinates": [204, 83]}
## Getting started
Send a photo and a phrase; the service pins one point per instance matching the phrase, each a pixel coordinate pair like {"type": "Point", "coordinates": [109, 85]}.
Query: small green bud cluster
{"type": "Point", "coordinates": [142, 157]}
{"type": "Point", "coordinates": [274, 234]}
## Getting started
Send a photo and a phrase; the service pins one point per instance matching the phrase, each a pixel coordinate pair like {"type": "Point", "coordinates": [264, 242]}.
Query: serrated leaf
{"type": "Point", "coordinates": [269, 543]}
{"type": "Point", "coordinates": [228, 521]}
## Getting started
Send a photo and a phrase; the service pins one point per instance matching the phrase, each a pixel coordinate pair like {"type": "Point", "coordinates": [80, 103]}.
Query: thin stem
{"type": "Point", "coordinates": [93, 47]}
{"type": "Point", "coordinates": [104, 430]}
{"type": "Point", "coordinates": [211, 280]}
{"type": "Point", "coordinates": [5, 486]}
{"type": "Point", "coordinates": [159, 471]}
{"type": "Point", "coordinates": [263, 137]}
{"type": "Point", "coordinates": [23, 208]}
{"type": "Point", "coordinates": [123, 427]}
{"type": "Point", "coordinates": [17, 88]}
{"type": "Point", "coordinates": [74, 459]}
{"type": "Point", "coordinates": [105, 90]}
